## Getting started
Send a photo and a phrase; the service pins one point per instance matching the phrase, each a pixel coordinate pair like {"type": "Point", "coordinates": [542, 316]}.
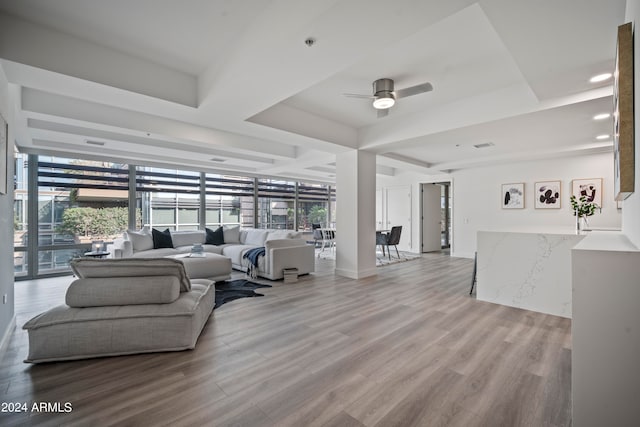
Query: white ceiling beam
{"type": "Point", "coordinates": [126, 156]}
{"type": "Point", "coordinates": [296, 121]}
{"type": "Point", "coordinates": [405, 159]}
{"type": "Point", "coordinates": [503, 104]}
{"type": "Point", "coordinates": [574, 150]}
{"type": "Point", "coordinates": [51, 50]}
{"type": "Point", "coordinates": [60, 106]}
{"type": "Point", "coordinates": [385, 170]}
{"type": "Point", "coordinates": [89, 133]}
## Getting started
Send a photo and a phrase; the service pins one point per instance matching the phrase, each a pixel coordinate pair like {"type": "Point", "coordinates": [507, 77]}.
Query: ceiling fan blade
{"type": "Point", "coordinates": [383, 113]}
{"type": "Point", "coordinates": [357, 95]}
{"type": "Point", "coordinates": [414, 90]}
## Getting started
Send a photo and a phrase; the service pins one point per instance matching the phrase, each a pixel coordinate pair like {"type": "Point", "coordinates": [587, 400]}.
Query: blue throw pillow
{"type": "Point", "coordinates": [162, 239]}
{"type": "Point", "coordinates": [214, 237]}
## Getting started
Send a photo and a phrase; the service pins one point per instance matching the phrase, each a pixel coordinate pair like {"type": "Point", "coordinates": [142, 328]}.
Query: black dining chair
{"type": "Point", "coordinates": [391, 239]}
{"type": "Point", "coordinates": [317, 234]}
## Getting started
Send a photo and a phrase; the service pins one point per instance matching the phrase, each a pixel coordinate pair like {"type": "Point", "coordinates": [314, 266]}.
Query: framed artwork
{"type": "Point", "coordinates": [513, 196]}
{"type": "Point", "coordinates": [547, 195]}
{"type": "Point", "coordinates": [591, 188]}
{"type": "Point", "coordinates": [4, 147]}
{"type": "Point", "coordinates": [623, 127]}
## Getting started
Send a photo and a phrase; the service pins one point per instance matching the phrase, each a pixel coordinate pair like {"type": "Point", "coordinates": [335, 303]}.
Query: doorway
{"type": "Point", "coordinates": [436, 209]}
{"type": "Point", "coordinates": [393, 207]}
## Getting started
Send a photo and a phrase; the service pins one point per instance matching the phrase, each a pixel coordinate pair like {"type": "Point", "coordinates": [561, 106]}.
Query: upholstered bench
{"type": "Point", "coordinates": [123, 306]}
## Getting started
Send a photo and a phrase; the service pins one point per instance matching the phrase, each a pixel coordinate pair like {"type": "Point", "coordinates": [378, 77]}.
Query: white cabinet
{"type": "Point", "coordinates": [605, 359]}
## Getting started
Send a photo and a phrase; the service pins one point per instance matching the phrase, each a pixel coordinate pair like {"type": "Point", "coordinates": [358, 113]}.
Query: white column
{"type": "Point", "coordinates": [356, 214]}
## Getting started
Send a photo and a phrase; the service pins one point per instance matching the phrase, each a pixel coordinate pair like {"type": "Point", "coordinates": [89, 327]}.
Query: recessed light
{"type": "Point", "coordinates": [601, 116]}
{"type": "Point", "coordinates": [600, 78]}
{"type": "Point", "coordinates": [603, 137]}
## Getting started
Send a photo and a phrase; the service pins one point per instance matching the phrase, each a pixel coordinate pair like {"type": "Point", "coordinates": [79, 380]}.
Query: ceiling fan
{"type": "Point", "coordinates": [384, 96]}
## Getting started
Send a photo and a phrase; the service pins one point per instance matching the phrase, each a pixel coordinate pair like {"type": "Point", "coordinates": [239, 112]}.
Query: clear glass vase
{"type": "Point", "coordinates": [581, 224]}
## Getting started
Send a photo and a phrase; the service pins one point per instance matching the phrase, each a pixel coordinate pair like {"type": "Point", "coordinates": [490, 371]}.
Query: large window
{"type": "Point", "coordinates": [230, 200]}
{"type": "Point", "coordinates": [63, 206]}
{"type": "Point", "coordinates": [168, 198]}
{"type": "Point", "coordinates": [78, 202]}
{"type": "Point", "coordinates": [313, 206]}
{"type": "Point", "coordinates": [20, 216]}
{"type": "Point", "coordinates": [276, 201]}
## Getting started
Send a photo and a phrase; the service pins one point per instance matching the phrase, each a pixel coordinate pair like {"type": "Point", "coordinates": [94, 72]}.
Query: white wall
{"type": "Point", "coordinates": [477, 193]}
{"type": "Point", "coordinates": [394, 207]}
{"type": "Point", "coordinates": [6, 222]}
{"type": "Point", "coordinates": [631, 206]}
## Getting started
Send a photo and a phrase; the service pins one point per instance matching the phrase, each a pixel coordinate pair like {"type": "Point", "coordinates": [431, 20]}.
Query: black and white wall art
{"type": "Point", "coordinates": [591, 188]}
{"type": "Point", "coordinates": [513, 196]}
{"type": "Point", "coordinates": [547, 195]}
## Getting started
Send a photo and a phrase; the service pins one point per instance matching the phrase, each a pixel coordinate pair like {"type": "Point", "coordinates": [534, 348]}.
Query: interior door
{"type": "Point", "coordinates": [431, 218]}
{"type": "Point", "coordinates": [399, 213]}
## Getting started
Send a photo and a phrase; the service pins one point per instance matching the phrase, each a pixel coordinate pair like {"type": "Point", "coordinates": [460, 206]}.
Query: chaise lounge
{"type": "Point", "coordinates": [122, 306]}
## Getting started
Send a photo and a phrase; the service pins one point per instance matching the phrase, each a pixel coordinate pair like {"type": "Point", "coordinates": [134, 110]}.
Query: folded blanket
{"type": "Point", "coordinates": [252, 256]}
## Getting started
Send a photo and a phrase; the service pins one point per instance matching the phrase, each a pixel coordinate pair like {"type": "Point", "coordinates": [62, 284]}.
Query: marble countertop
{"type": "Point", "coordinates": [606, 241]}
{"type": "Point", "coordinates": [546, 230]}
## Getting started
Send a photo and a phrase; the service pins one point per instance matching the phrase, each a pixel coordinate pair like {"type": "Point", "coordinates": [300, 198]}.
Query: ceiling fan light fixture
{"type": "Point", "coordinates": [384, 101]}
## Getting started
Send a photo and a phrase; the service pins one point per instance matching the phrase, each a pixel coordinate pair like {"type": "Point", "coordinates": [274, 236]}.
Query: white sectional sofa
{"type": "Point", "coordinates": [283, 248]}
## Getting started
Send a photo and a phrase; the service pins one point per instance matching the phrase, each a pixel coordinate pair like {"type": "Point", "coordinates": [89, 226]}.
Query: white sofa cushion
{"type": "Point", "coordinates": [140, 240]}
{"type": "Point", "coordinates": [69, 333]}
{"type": "Point", "coordinates": [284, 243]}
{"type": "Point", "coordinates": [235, 252]}
{"type": "Point", "coordinates": [255, 237]}
{"type": "Point", "coordinates": [85, 268]}
{"type": "Point", "coordinates": [104, 291]}
{"type": "Point", "coordinates": [187, 237]}
{"type": "Point", "coordinates": [157, 253]}
{"type": "Point", "coordinates": [231, 233]}
{"type": "Point", "coordinates": [282, 234]}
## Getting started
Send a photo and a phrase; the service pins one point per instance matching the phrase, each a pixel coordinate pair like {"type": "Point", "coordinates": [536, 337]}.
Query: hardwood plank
{"type": "Point", "coordinates": [343, 420]}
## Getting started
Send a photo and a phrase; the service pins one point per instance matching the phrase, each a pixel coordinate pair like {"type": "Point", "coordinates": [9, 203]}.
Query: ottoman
{"type": "Point", "coordinates": [209, 266]}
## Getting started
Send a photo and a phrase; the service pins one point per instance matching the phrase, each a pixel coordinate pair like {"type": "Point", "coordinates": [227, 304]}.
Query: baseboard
{"type": "Point", "coordinates": [352, 274]}
{"type": "Point", "coordinates": [4, 344]}
{"type": "Point", "coordinates": [463, 255]}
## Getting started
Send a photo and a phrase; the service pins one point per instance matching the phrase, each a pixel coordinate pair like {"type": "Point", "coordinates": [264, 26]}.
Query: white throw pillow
{"type": "Point", "coordinates": [231, 233]}
{"type": "Point", "coordinates": [140, 240]}
{"type": "Point", "coordinates": [255, 237]}
{"type": "Point", "coordinates": [187, 237]}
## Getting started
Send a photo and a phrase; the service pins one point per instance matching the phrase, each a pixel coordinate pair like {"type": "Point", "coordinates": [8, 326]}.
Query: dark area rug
{"type": "Point", "coordinates": [234, 289]}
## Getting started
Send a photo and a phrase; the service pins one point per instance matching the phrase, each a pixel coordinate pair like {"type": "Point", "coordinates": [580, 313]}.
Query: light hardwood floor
{"type": "Point", "coordinates": [408, 347]}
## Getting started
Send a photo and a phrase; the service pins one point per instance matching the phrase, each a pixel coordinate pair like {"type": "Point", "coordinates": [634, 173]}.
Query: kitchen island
{"type": "Point", "coordinates": [529, 269]}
